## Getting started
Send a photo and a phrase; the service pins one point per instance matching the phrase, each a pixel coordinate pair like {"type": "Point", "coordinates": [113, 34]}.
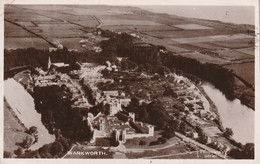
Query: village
{"type": "Point", "coordinates": [89, 87]}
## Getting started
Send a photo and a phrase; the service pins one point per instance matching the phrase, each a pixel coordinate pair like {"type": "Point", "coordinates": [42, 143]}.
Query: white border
{"type": "Point", "coordinates": [125, 3]}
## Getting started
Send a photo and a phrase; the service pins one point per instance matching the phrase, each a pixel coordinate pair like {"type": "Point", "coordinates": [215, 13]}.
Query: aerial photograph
{"type": "Point", "coordinates": [129, 82]}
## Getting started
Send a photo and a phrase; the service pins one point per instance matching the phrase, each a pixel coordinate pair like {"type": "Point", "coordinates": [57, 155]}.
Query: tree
{"type": "Point", "coordinates": [27, 142]}
{"type": "Point", "coordinates": [18, 151]}
{"type": "Point", "coordinates": [7, 154]}
{"type": "Point", "coordinates": [228, 132]}
{"type": "Point", "coordinates": [249, 151]}
{"type": "Point", "coordinates": [44, 149]}
{"type": "Point", "coordinates": [32, 130]}
{"type": "Point", "coordinates": [56, 148]}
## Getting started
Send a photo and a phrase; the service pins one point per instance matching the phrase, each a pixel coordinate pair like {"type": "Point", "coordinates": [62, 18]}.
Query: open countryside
{"type": "Point", "coordinates": [122, 82]}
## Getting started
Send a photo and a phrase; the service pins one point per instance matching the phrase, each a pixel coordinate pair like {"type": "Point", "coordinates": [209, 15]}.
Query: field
{"type": "Point", "coordinates": [129, 22]}
{"type": "Point", "coordinates": [245, 71]}
{"type": "Point", "coordinates": [233, 55]}
{"type": "Point", "coordinates": [192, 27]}
{"type": "Point", "coordinates": [249, 51]}
{"type": "Point", "coordinates": [188, 33]}
{"type": "Point", "coordinates": [207, 41]}
{"type": "Point", "coordinates": [13, 43]}
{"type": "Point", "coordinates": [71, 43]}
{"type": "Point", "coordinates": [141, 28]}
{"type": "Point", "coordinates": [19, 42]}
{"type": "Point", "coordinates": [205, 58]}
{"type": "Point", "coordinates": [243, 42]}
{"type": "Point", "coordinates": [12, 30]}
{"type": "Point", "coordinates": [211, 38]}
{"type": "Point", "coordinates": [206, 45]}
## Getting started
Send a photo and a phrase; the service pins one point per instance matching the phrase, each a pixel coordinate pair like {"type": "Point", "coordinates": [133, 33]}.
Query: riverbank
{"type": "Point", "coordinates": [14, 129]}
{"type": "Point", "coordinates": [18, 98]}
{"type": "Point", "coordinates": [233, 115]}
{"type": "Point", "coordinates": [212, 108]}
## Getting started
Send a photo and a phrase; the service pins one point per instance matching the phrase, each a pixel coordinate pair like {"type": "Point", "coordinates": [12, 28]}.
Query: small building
{"type": "Point", "coordinates": [195, 135]}
{"type": "Point", "coordinates": [125, 102]}
{"type": "Point", "coordinates": [110, 93]}
{"type": "Point", "coordinates": [51, 49]}
{"type": "Point", "coordinates": [60, 46]}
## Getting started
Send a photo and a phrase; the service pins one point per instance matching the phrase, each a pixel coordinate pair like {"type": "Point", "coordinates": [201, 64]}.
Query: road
{"type": "Point", "coordinates": [213, 151]}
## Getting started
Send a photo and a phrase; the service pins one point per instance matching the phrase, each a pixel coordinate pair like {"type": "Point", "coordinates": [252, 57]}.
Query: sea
{"type": "Point", "coordinates": [229, 14]}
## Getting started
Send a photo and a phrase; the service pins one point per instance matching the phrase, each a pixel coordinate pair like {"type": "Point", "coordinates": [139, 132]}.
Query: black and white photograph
{"type": "Point", "coordinates": [129, 81]}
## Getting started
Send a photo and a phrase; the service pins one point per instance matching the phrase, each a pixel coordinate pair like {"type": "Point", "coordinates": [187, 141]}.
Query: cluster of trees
{"type": "Point", "coordinates": [149, 58]}
{"type": "Point", "coordinates": [247, 152]}
{"type": "Point", "coordinates": [36, 57]}
{"type": "Point", "coordinates": [160, 140]}
{"type": "Point", "coordinates": [220, 77]}
{"type": "Point", "coordinates": [54, 105]}
{"type": "Point", "coordinates": [53, 150]}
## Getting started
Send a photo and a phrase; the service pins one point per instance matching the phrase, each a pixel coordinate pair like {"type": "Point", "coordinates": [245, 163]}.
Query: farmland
{"type": "Point", "coordinates": [208, 41]}
{"type": "Point", "coordinates": [244, 71]}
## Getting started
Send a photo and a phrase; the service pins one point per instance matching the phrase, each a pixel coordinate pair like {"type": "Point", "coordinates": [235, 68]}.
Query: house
{"type": "Point", "coordinates": [195, 135]}
{"type": "Point", "coordinates": [52, 49]}
{"type": "Point", "coordinates": [125, 102]}
{"type": "Point", "coordinates": [110, 93]}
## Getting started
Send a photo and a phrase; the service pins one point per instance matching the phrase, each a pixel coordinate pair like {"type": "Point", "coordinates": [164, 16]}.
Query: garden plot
{"type": "Point", "coordinates": [212, 38]}
{"type": "Point", "coordinates": [192, 27]}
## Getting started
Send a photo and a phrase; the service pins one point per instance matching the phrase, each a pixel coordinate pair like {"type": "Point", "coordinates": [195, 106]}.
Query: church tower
{"type": "Point", "coordinates": [49, 63]}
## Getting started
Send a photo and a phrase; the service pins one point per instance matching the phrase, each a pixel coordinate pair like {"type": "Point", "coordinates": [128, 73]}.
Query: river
{"type": "Point", "coordinates": [23, 105]}
{"type": "Point", "coordinates": [233, 115]}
